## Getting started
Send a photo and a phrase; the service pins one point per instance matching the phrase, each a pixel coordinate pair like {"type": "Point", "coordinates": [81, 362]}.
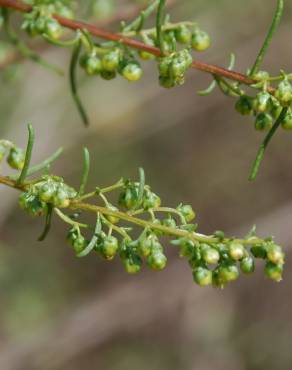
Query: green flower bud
{"type": "Point", "coordinates": [111, 60]}
{"type": "Point", "coordinates": [187, 247]}
{"type": "Point", "coordinates": [169, 222]}
{"type": "Point", "coordinates": [200, 40]}
{"type": "Point", "coordinates": [202, 276]}
{"type": "Point", "coordinates": [236, 251]}
{"type": "Point", "coordinates": [189, 227]}
{"type": "Point", "coordinates": [287, 122]}
{"type": "Point", "coordinates": [263, 122]}
{"type": "Point", "coordinates": [187, 212]}
{"type": "Point", "coordinates": [109, 247]}
{"type": "Point", "coordinates": [210, 255]}
{"type": "Point", "coordinates": [30, 27]}
{"type": "Point", "coordinates": [53, 29]}
{"type": "Point", "coordinates": [112, 219]}
{"type": "Point", "coordinates": [16, 158]}
{"type": "Point", "coordinates": [273, 271]}
{"type": "Point", "coordinates": [178, 68]}
{"type": "Point", "coordinates": [275, 109]}
{"type": "Point", "coordinates": [183, 34]}
{"type": "Point", "coordinates": [244, 105]}
{"type": "Point", "coordinates": [132, 72]}
{"type": "Point", "coordinates": [145, 55]}
{"type": "Point", "coordinates": [151, 200]}
{"type": "Point", "coordinates": [258, 251]}
{"type": "Point", "coordinates": [247, 265]}
{"type": "Point", "coordinates": [40, 25]}
{"type": "Point", "coordinates": [132, 264]}
{"type": "Point", "coordinates": [194, 255]}
{"type": "Point", "coordinates": [47, 192]}
{"type": "Point", "coordinates": [284, 93]}
{"type": "Point", "coordinates": [217, 281]}
{"type": "Point", "coordinates": [166, 82]}
{"type": "Point", "coordinates": [72, 235]}
{"type": "Point", "coordinates": [261, 76]}
{"type": "Point", "coordinates": [219, 234]}
{"type": "Point", "coordinates": [157, 260]}
{"type": "Point", "coordinates": [164, 65]}
{"type": "Point", "coordinates": [129, 197]}
{"type": "Point", "coordinates": [228, 273]}
{"type": "Point", "coordinates": [146, 244]}
{"type": "Point", "coordinates": [91, 63]}
{"type": "Point", "coordinates": [262, 102]}
{"type": "Point", "coordinates": [275, 254]}
{"type": "Point", "coordinates": [79, 244]}
{"type": "Point", "coordinates": [31, 203]}
{"type": "Point", "coordinates": [61, 198]}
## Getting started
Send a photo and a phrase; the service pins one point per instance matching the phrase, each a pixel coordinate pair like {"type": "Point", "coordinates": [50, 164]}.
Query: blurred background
{"type": "Point", "coordinates": [58, 312]}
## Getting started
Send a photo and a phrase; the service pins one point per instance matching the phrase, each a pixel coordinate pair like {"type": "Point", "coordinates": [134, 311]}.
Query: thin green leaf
{"type": "Point", "coordinates": [208, 90]}
{"type": "Point", "coordinates": [73, 83]}
{"type": "Point", "coordinates": [47, 224]}
{"type": "Point", "coordinates": [28, 154]}
{"type": "Point", "coordinates": [252, 232]}
{"type": "Point", "coordinates": [85, 173]}
{"type": "Point", "coordinates": [137, 23]}
{"type": "Point", "coordinates": [44, 164]}
{"type": "Point", "coordinates": [268, 39]}
{"type": "Point", "coordinates": [159, 24]}
{"type": "Point", "coordinates": [93, 240]}
{"type": "Point", "coordinates": [263, 146]}
{"type": "Point", "coordinates": [141, 186]}
{"type": "Point", "coordinates": [212, 86]}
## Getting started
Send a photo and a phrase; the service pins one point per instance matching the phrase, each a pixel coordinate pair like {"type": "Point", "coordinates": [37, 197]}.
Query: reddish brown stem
{"type": "Point", "coordinates": [107, 35]}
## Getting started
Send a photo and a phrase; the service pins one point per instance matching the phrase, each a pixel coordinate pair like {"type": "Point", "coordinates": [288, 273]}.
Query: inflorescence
{"type": "Point", "coordinates": [214, 259]}
{"type": "Point", "coordinates": [170, 44]}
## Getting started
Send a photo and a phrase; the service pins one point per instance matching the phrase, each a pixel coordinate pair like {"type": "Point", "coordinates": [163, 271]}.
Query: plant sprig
{"type": "Point", "coordinates": [214, 259]}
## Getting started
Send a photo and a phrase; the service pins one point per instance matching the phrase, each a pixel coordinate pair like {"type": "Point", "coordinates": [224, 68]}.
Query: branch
{"type": "Point", "coordinates": [76, 204]}
{"type": "Point", "coordinates": [40, 46]}
{"type": "Point", "coordinates": [135, 44]}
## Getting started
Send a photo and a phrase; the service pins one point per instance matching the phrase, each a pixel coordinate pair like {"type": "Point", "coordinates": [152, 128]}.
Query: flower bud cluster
{"type": "Point", "coordinates": [266, 107]}
{"type": "Point", "coordinates": [108, 64]}
{"type": "Point", "coordinates": [50, 190]}
{"type": "Point", "coordinates": [40, 20]}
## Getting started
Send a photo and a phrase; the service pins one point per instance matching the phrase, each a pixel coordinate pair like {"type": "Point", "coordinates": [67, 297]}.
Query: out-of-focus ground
{"type": "Point", "coordinates": [58, 312]}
